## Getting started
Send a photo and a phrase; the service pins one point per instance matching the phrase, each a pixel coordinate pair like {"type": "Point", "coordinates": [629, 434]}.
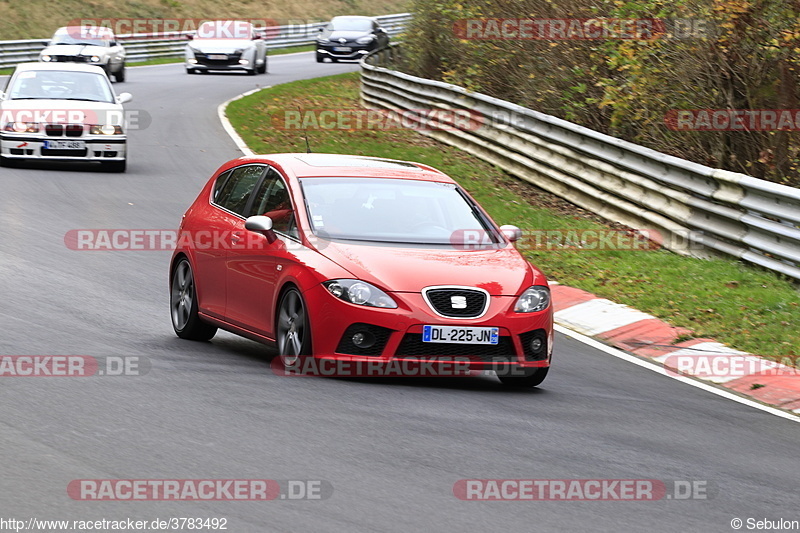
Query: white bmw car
{"type": "Point", "coordinates": [62, 112]}
{"type": "Point", "coordinates": [95, 45]}
{"type": "Point", "coordinates": [226, 45]}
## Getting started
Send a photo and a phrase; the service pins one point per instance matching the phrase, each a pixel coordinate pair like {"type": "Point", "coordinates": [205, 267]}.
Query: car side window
{"type": "Point", "coordinates": [272, 200]}
{"type": "Point", "coordinates": [234, 194]}
{"type": "Point", "coordinates": [221, 179]}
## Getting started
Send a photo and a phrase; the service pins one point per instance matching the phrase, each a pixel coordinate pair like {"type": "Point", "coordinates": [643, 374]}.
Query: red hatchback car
{"type": "Point", "coordinates": [350, 258]}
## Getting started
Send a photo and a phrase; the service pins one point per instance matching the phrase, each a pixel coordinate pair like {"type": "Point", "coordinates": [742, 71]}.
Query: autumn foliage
{"type": "Point", "coordinates": [736, 55]}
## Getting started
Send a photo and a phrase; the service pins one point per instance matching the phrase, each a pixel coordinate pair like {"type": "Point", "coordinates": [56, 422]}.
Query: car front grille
{"type": "Point", "coordinates": [412, 346]}
{"type": "Point", "coordinates": [231, 59]}
{"type": "Point", "coordinates": [53, 152]}
{"type": "Point", "coordinates": [71, 59]}
{"type": "Point", "coordinates": [62, 130]}
{"type": "Point", "coordinates": [455, 302]}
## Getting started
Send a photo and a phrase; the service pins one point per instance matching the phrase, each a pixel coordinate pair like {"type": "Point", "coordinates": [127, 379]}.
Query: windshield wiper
{"type": "Point", "coordinates": [82, 100]}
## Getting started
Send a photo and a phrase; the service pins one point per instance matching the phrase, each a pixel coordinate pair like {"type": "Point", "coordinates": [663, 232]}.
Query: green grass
{"type": "Point", "coordinates": [745, 307]}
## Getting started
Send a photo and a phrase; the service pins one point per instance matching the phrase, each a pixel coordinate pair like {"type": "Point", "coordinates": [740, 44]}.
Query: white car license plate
{"type": "Point", "coordinates": [65, 145]}
{"type": "Point", "coordinates": [218, 56]}
{"type": "Point", "coordinates": [342, 49]}
{"type": "Point", "coordinates": [460, 335]}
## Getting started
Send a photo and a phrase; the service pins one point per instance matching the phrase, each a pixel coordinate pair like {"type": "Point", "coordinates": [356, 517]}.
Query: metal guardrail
{"type": "Point", "coordinates": [689, 208]}
{"type": "Point", "coordinates": [141, 47]}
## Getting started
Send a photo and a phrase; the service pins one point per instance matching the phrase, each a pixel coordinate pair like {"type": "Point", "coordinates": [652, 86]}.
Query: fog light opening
{"type": "Point", "coordinates": [536, 345]}
{"type": "Point", "coordinates": [364, 339]}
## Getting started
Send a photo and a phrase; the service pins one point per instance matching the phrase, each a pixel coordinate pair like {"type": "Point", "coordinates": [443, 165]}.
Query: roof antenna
{"type": "Point", "coordinates": [305, 133]}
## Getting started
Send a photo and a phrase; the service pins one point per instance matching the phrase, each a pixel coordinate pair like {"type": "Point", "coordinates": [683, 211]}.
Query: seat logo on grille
{"type": "Point", "coordinates": [458, 302]}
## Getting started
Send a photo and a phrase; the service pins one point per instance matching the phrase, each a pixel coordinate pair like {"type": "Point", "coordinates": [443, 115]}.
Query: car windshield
{"type": "Point", "coordinates": [60, 85]}
{"type": "Point", "coordinates": [82, 36]}
{"type": "Point", "coordinates": [351, 24]}
{"type": "Point", "coordinates": [391, 210]}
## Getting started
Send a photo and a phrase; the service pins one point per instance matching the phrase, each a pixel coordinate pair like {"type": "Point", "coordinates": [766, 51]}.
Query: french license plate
{"type": "Point", "coordinates": [460, 335]}
{"type": "Point", "coordinates": [64, 145]}
{"type": "Point", "coordinates": [218, 56]}
{"type": "Point", "coordinates": [342, 49]}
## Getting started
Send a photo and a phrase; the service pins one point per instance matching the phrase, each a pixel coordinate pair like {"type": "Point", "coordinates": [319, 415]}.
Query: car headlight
{"type": "Point", "coordinates": [360, 293]}
{"type": "Point", "coordinates": [534, 299]}
{"type": "Point", "coordinates": [95, 59]}
{"type": "Point", "coordinates": [22, 127]}
{"type": "Point", "coordinates": [365, 40]}
{"type": "Point", "coordinates": [105, 129]}
{"type": "Point", "coordinates": [46, 58]}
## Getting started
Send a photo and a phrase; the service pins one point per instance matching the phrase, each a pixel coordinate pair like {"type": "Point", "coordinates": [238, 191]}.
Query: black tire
{"type": "Point", "coordinates": [115, 166]}
{"type": "Point", "coordinates": [191, 71]}
{"type": "Point", "coordinates": [292, 330]}
{"type": "Point", "coordinates": [263, 68]}
{"type": "Point", "coordinates": [251, 72]}
{"type": "Point", "coordinates": [320, 58]}
{"type": "Point", "coordinates": [183, 305]}
{"type": "Point", "coordinates": [120, 76]}
{"type": "Point", "coordinates": [533, 377]}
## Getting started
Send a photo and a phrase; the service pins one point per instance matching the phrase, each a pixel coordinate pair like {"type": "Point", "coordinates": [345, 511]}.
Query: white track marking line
{"type": "Point", "coordinates": [660, 370]}
{"type": "Point", "coordinates": [223, 118]}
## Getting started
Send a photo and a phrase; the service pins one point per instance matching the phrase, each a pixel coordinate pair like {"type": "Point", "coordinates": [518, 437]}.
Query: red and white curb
{"type": "Point", "coordinates": [652, 339]}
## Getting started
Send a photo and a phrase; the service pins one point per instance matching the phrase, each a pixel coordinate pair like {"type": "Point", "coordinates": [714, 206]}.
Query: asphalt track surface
{"type": "Point", "coordinates": [392, 450]}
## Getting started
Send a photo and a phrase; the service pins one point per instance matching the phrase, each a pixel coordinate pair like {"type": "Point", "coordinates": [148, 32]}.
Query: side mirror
{"type": "Point", "coordinates": [2, 95]}
{"type": "Point", "coordinates": [320, 29]}
{"type": "Point", "coordinates": [189, 36]}
{"type": "Point", "coordinates": [512, 233]}
{"type": "Point", "coordinates": [113, 43]}
{"type": "Point", "coordinates": [261, 224]}
{"type": "Point", "coordinates": [124, 97]}
{"type": "Point", "coordinates": [257, 37]}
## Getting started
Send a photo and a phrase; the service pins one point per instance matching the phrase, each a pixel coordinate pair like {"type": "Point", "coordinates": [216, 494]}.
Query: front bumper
{"type": "Point", "coordinates": [357, 51]}
{"type": "Point", "coordinates": [398, 333]}
{"type": "Point", "coordinates": [30, 146]}
{"type": "Point", "coordinates": [220, 61]}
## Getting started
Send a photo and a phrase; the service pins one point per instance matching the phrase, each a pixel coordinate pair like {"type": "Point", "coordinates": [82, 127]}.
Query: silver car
{"type": "Point", "coordinates": [226, 45]}
{"type": "Point", "coordinates": [62, 112]}
{"type": "Point", "coordinates": [94, 45]}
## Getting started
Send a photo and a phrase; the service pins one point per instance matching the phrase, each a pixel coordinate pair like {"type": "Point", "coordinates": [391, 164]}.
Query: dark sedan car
{"type": "Point", "coordinates": [350, 38]}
